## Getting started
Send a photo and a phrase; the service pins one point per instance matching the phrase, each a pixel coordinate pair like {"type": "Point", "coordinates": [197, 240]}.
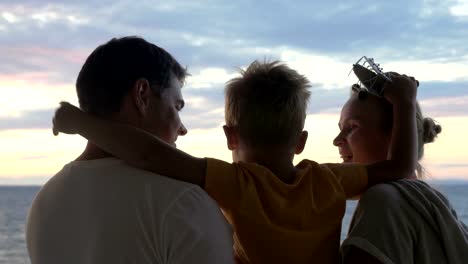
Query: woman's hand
{"type": "Point", "coordinates": [66, 118]}
{"type": "Point", "coordinates": [402, 89]}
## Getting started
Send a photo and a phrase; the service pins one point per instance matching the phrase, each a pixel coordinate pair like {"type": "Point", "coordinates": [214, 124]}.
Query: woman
{"type": "Point", "coordinates": [399, 222]}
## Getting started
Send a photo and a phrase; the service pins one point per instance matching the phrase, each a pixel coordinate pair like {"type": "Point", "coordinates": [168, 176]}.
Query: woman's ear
{"type": "Point", "coordinates": [141, 94]}
{"type": "Point", "coordinates": [302, 142]}
{"type": "Point", "coordinates": [231, 137]}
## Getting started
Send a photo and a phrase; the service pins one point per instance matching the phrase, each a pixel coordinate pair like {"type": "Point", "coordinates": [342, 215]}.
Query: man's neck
{"type": "Point", "coordinates": [93, 152]}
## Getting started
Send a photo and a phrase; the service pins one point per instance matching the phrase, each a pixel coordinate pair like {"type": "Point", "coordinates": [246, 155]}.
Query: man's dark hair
{"type": "Point", "coordinates": [112, 69]}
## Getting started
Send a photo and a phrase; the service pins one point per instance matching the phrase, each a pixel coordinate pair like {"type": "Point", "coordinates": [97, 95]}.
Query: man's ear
{"type": "Point", "coordinates": [141, 94]}
{"type": "Point", "coordinates": [231, 137]}
{"type": "Point", "coordinates": [302, 142]}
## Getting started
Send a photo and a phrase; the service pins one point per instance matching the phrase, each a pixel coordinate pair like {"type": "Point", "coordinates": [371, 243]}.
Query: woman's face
{"type": "Point", "coordinates": [362, 138]}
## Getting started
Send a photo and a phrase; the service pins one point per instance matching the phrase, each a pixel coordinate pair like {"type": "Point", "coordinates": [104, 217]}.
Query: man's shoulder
{"type": "Point", "coordinates": [111, 175]}
{"type": "Point", "coordinates": [115, 170]}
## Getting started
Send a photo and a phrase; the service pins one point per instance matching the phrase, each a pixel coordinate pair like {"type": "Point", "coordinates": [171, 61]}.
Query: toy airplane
{"type": "Point", "coordinates": [371, 75]}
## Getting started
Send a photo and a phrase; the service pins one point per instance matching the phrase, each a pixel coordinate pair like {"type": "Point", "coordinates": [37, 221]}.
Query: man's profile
{"type": "Point", "coordinates": [98, 209]}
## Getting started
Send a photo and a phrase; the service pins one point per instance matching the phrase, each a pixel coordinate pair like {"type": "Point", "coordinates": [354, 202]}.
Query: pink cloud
{"type": "Point", "coordinates": [25, 78]}
{"type": "Point", "coordinates": [69, 55]}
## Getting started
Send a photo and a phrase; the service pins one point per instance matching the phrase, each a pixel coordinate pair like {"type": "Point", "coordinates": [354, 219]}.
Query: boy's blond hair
{"type": "Point", "coordinates": [267, 104]}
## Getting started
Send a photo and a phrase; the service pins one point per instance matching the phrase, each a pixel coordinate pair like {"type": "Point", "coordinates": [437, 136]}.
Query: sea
{"type": "Point", "coordinates": [16, 200]}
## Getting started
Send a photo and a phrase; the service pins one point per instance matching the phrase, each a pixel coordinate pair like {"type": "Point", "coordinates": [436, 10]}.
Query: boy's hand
{"type": "Point", "coordinates": [65, 119]}
{"type": "Point", "coordinates": [402, 89]}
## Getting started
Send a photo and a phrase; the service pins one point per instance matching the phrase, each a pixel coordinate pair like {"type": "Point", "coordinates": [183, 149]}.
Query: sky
{"type": "Point", "coordinates": [43, 45]}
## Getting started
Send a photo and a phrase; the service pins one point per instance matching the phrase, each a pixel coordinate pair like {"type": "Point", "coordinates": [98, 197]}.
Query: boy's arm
{"type": "Point", "coordinates": [403, 154]}
{"type": "Point", "coordinates": [135, 146]}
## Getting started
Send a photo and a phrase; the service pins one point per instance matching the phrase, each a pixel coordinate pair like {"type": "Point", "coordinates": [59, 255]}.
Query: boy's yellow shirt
{"type": "Point", "coordinates": [275, 222]}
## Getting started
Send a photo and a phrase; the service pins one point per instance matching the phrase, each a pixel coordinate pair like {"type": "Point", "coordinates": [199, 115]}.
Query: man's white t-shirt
{"type": "Point", "coordinates": [104, 211]}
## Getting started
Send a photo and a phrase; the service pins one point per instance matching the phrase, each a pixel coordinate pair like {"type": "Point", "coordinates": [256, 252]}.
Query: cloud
{"type": "Point", "coordinates": [452, 165]}
{"type": "Point", "coordinates": [18, 16]}
{"type": "Point", "coordinates": [33, 181]}
{"type": "Point", "coordinates": [460, 9]}
{"type": "Point", "coordinates": [9, 17]}
{"type": "Point", "coordinates": [328, 71]}
{"type": "Point", "coordinates": [427, 70]}
{"type": "Point", "coordinates": [209, 77]}
{"type": "Point", "coordinates": [204, 108]}
{"type": "Point", "coordinates": [445, 106]}
{"type": "Point", "coordinates": [237, 34]}
{"type": "Point", "coordinates": [351, 28]}
{"type": "Point", "coordinates": [30, 92]}
{"type": "Point", "coordinates": [46, 42]}
{"type": "Point", "coordinates": [38, 119]}
{"type": "Point", "coordinates": [42, 64]}
{"type": "Point", "coordinates": [204, 120]}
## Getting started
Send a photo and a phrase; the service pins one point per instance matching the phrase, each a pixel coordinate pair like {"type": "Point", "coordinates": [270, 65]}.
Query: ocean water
{"type": "Point", "coordinates": [15, 202]}
{"type": "Point", "coordinates": [14, 205]}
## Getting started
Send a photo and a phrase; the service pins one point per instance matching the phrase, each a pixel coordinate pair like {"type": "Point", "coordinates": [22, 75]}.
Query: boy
{"type": "Point", "coordinates": [280, 213]}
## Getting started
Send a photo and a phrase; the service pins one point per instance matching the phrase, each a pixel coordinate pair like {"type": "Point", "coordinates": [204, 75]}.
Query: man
{"type": "Point", "coordinates": [98, 209]}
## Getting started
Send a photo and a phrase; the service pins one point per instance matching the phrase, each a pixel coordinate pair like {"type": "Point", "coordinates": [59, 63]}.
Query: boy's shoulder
{"type": "Point", "coordinates": [338, 170]}
{"type": "Point", "coordinates": [311, 163]}
{"type": "Point", "coordinates": [343, 165]}
{"type": "Point", "coordinates": [311, 167]}
{"type": "Point", "coordinates": [307, 162]}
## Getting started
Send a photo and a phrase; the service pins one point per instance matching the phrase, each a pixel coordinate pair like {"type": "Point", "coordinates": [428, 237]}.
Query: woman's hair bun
{"type": "Point", "coordinates": [430, 130]}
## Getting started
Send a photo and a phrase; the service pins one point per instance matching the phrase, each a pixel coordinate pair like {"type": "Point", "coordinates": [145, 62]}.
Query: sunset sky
{"type": "Point", "coordinates": [44, 43]}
